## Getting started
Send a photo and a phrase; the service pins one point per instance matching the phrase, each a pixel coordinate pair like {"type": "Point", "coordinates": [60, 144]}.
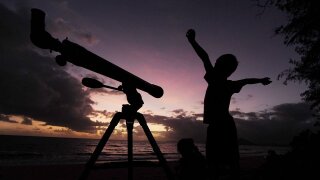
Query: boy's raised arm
{"type": "Point", "coordinates": [264, 81]}
{"type": "Point", "coordinates": [191, 35]}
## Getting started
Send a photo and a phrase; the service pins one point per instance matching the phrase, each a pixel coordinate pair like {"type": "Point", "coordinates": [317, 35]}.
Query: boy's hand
{"type": "Point", "coordinates": [265, 81]}
{"type": "Point", "coordinates": [191, 35]}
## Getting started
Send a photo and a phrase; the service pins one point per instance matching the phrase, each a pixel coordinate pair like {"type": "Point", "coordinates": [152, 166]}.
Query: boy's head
{"type": "Point", "coordinates": [225, 65]}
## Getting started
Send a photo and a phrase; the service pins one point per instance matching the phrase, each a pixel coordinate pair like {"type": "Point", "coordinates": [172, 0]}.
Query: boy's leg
{"type": "Point", "coordinates": [212, 163]}
{"type": "Point", "coordinates": [234, 164]}
{"type": "Point", "coordinates": [235, 171]}
{"type": "Point", "coordinates": [234, 152]}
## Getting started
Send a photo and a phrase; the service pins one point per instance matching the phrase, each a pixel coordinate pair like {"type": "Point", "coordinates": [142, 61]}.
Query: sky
{"type": "Point", "coordinates": [146, 38]}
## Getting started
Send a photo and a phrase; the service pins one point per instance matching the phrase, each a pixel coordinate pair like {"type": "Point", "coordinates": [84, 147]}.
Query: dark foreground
{"type": "Point", "coordinates": [249, 168]}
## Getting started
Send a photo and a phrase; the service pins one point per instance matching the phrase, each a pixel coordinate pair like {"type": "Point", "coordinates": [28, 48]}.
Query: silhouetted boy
{"type": "Point", "coordinates": [192, 163]}
{"type": "Point", "coordinates": [222, 150]}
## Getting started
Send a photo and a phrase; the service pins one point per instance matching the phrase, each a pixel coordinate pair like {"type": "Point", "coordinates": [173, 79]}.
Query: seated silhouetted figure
{"type": "Point", "coordinates": [222, 152]}
{"type": "Point", "coordinates": [192, 163]}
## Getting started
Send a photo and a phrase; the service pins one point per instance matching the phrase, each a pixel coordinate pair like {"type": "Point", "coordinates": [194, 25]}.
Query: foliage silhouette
{"type": "Point", "coordinates": [302, 31]}
{"type": "Point", "coordinates": [302, 162]}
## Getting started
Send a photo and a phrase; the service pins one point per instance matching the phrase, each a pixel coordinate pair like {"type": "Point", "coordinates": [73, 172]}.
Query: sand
{"type": "Point", "coordinates": [116, 171]}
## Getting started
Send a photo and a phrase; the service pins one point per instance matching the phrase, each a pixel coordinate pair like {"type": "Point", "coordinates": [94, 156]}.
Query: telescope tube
{"type": "Point", "coordinates": [79, 56]}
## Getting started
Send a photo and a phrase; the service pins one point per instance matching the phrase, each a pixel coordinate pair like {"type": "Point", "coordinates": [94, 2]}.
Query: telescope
{"type": "Point", "coordinates": [79, 56]}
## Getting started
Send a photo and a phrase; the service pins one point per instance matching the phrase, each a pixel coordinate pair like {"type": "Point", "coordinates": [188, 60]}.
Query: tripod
{"type": "Point", "coordinates": [129, 113]}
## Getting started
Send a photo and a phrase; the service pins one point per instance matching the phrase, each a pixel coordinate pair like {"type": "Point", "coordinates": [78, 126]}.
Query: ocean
{"type": "Point", "coordinates": [26, 150]}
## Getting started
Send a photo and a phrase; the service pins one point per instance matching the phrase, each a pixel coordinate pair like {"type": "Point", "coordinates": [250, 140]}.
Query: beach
{"type": "Point", "coordinates": [40, 158]}
{"type": "Point", "coordinates": [114, 171]}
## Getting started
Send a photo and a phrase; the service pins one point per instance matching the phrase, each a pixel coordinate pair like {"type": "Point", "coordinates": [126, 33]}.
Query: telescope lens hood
{"type": "Point", "coordinates": [39, 36]}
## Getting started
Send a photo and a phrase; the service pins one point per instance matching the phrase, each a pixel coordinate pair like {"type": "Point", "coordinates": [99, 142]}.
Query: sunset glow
{"type": "Point", "coordinates": [40, 98]}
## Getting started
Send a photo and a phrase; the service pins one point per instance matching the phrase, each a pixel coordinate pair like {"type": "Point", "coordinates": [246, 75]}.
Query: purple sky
{"type": "Point", "coordinates": [147, 38]}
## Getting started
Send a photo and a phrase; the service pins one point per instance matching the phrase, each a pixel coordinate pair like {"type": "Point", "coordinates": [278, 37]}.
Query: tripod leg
{"type": "Point", "coordinates": [130, 149]}
{"type": "Point", "coordinates": [113, 123]}
{"type": "Point", "coordinates": [155, 146]}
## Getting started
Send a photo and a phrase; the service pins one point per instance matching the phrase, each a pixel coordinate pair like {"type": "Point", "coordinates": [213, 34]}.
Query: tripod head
{"type": "Point", "coordinates": [133, 97]}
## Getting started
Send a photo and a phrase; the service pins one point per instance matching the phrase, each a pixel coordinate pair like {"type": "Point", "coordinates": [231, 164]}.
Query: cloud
{"type": "Point", "coordinates": [179, 127]}
{"type": "Point", "coordinates": [6, 118]}
{"type": "Point", "coordinates": [233, 100]}
{"type": "Point", "coordinates": [26, 121]}
{"type": "Point", "coordinates": [61, 27]}
{"type": "Point", "coordinates": [236, 100]}
{"type": "Point", "coordinates": [276, 125]}
{"type": "Point", "coordinates": [179, 112]}
{"type": "Point", "coordinates": [249, 96]}
{"type": "Point", "coordinates": [33, 85]}
{"type": "Point", "coordinates": [105, 114]}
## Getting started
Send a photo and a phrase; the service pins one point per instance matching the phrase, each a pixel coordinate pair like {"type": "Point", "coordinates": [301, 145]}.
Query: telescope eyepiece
{"type": "Point", "coordinates": [92, 83]}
